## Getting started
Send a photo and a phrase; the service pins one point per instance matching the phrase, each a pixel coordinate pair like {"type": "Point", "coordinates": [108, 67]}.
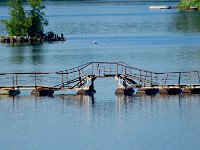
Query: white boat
{"type": "Point", "coordinates": [160, 7]}
{"type": "Point", "coordinates": [194, 8]}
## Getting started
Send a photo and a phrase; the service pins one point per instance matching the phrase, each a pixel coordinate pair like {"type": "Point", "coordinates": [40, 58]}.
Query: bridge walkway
{"type": "Point", "coordinates": [80, 77]}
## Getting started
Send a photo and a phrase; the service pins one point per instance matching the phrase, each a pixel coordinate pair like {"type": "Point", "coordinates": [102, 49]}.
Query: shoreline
{"type": "Point", "coordinates": [50, 37]}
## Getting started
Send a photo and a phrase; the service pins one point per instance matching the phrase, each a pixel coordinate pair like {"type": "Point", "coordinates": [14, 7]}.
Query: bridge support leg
{"type": "Point", "coordinates": [89, 91]}
{"type": "Point", "coordinates": [140, 92]}
{"type": "Point", "coordinates": [170, 91]}
{"type": "Point", "coordinates": [147, 91]}
{"type": "Point", "coordinates": [163, 91]}
{"type": "Point", "coordinates": [10, 92]}
{"type": "Point", "coordinates": [123, 89]}
{"type": "Point", "coordinates": [14, 92]}
{"type": "Point", "coordinates": [187, 91]}
{"type": "Point", "coordinates": [42, 92]}
{"type": "Point", "coordinates": [191, 90]}
{"type": "Point", "coordinates": [4, 92]}
{"type": "Point", "coordinates": [82, 92]}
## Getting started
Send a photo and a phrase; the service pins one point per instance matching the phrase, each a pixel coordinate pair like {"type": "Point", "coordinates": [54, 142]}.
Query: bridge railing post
{"type": "Point", "coordinates": [179, 79]}
{"type": "Point", "coordinates": [92, 68]}
{"type": "Point", "coordinates": [98, 70]}
{"type": "Point", "coordinates": [140, 77]}
{"type": "Point", "coordinates": [198, 76]}
{"type": "Point", "coordinates": [13, 81]}
{"type": "Point", "coordinates": [62, 82]}
{"type": "Point", "coordinates": [35, 81]}
{"type": "Point", "coordinates": [16, 80]}
{"type": "Point", "coordinates": [67, 76]}
{"type": "Point", "coordinates": [117, 69]}
{"type": "Point", "coordinates": [166, 79]}
{"type": "Point", "coordinates": [156, 79]}
{"type": "Point", "coordinates": [79, 72]}
{"type": "Point", "coordinates": [145, 77]}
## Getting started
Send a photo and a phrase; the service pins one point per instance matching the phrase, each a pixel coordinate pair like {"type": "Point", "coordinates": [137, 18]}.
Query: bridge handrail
{"type": "Point", "coordinates": [81, 67]}
{"type": "Point", "coordinates": [122, 64]}
{"type": "Point", "coordinates": [75, 69]}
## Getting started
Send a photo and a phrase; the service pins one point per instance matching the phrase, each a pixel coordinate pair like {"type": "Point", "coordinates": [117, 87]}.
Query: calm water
{"type": "Point", "coordinates": [125, 31]}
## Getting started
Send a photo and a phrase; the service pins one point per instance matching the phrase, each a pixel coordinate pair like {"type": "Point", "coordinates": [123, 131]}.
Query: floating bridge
{"type": "Point", "coordinates": [82, 78]}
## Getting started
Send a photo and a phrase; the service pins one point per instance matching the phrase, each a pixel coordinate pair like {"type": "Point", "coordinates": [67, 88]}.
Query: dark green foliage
{"type": "Point", "coordinates": [18, 24]}
{"type": "Point", "coordinates": [21, 23]}
{"type": "Point", "coordinates": [37, 18]}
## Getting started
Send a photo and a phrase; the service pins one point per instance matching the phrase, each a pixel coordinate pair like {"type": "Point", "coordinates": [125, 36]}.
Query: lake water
{"type": "Point", "coordinates": [125, 31]}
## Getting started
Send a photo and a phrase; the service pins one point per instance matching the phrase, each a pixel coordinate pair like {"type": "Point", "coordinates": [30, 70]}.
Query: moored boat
{"type": "Point", "coordinates": [160, 7]}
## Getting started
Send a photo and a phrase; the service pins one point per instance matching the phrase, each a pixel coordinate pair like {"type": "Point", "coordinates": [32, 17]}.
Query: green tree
{"type": "Point", "coordinates": [184, 4]}
{"type": "Point", "coordinates": [37, 18]}
{"type": "Point", "coordinates": [17, 24]}
{"type": "Point", "coordinates": [20, 23]}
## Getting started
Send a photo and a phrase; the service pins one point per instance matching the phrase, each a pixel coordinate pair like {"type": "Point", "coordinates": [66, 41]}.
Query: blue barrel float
{"type": "Point", "coordinates": [14, 92]}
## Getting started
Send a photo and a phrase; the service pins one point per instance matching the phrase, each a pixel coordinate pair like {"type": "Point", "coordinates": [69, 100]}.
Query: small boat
{"type": "Point", "coordinates": [193, 8]}
{"type": "Point", "coordinates": [160, 7]}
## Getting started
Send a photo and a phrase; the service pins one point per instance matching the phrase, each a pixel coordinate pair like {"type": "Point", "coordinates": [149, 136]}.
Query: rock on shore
{"type": "Point", "coordinates": [49, 37]}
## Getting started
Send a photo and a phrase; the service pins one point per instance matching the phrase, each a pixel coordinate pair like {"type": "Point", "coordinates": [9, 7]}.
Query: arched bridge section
{"type": "Point", "coordinates": [131, 75]}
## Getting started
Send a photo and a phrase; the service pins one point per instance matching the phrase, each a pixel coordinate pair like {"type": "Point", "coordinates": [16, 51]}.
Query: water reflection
{"type": "Point", "coordinates": [82, 100]}
{"type": "Point", "coordinates": [23, 53]}
{"type": "Point", "coordinates": [123, 106]}
{"type": "Point", "coordinates": [17, 55]}
{"type": "Point", "coordinates": [187, 22]}
{"type": "Point", "coordinates": [36, 53]}
{"type": "Point", "coordinates": [158, 103]}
